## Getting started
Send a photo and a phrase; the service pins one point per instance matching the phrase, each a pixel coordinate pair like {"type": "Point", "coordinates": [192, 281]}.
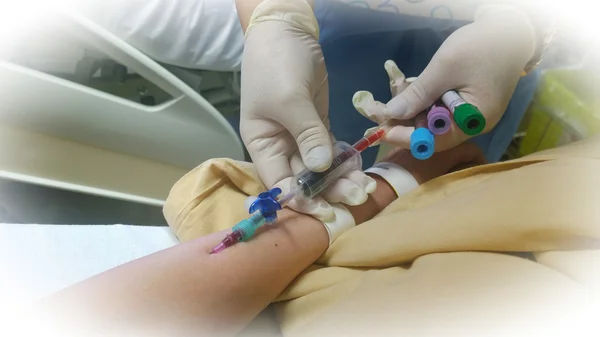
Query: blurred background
{"type": "Point", "coordinates": [94, 130]}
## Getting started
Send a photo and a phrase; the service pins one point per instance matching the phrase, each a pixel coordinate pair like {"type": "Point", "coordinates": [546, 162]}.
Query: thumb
{"type": "Point", "coordinates": [311, 135]}
{"type": "Point", "coordinates": [420, 94]}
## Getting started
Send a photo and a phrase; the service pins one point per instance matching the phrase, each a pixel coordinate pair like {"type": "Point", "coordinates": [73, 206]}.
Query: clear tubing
{"type": "Point", "coordinates": [309, 184]}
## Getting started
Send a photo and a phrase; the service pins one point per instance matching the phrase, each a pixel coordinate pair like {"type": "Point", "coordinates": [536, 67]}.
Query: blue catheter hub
{"type": "Point", "coordinates": [266, 203]}
{"type": "Point", "coordinates": [422, 143]}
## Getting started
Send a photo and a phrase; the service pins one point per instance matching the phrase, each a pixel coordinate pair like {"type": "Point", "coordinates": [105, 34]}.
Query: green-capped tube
{"type": "Point", "coordinates": [468, 118]}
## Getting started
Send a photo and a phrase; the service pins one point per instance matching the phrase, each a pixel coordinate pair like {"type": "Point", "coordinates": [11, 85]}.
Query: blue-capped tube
{"type": "Point", "coordinates": [422, 140]}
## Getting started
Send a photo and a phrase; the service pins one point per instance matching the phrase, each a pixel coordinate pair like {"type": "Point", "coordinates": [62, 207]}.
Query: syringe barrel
{"type": "Point", "coordinates": [310, 184]}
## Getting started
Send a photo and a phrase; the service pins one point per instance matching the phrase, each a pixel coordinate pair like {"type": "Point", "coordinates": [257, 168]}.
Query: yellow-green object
{"type": "Point", "coordinates": [564, 110]}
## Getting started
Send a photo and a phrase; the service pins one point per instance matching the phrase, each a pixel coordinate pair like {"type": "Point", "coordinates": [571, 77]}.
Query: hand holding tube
{"type": "Point", "coordinates": [483, 61]}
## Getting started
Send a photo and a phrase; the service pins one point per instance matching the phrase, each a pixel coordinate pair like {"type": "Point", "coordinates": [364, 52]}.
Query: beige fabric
{"type": "Point", "coordinates": [435, 261]}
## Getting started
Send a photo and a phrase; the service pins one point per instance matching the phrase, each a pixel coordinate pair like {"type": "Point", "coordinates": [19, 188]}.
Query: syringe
{"type": "Point", "coordinates": [307, 184]}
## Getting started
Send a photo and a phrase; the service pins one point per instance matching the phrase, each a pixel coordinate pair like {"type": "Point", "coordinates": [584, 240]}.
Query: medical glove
{"type": "Point", "coordinates": [284, 104]}
{"type": "Point", "coordinates": [366, 105]}
{"type": "Point", "coordinates": [482, 61]}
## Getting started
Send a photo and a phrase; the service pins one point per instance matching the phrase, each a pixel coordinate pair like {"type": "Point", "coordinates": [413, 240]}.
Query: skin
{"type": "Point", "coordinates": [194, 290]}
{"type": "Point", "coordinates": [194, 293]}
{"type": "Point", "coordinates": [184, 290]}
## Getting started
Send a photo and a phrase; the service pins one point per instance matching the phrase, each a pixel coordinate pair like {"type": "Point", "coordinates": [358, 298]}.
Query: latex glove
{"type": "Point", "coordinates": [482, 61]}
{"type": "Point", "coordinates": [366, 105]}
{"type": "Point", "coordinates": [284, 105]}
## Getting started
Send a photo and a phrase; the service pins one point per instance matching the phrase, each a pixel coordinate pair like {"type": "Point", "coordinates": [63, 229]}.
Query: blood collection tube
{"type": "Point", "coordinates": [422, 141]}
{"type": "Point", "coordinates": [468, 118]}
{"type": "Point", "coordinates": [309, 184]}
{"type": "Point", "coordinates": [439, 119]}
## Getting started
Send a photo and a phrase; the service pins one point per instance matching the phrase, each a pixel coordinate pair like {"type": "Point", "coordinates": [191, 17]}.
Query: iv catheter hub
{"type": "Point", "coordinates": [263, 210]}
{"type": "Point", "coordinates": [307, 184]}
{"type": "Point", "coordinates": [267, 204]}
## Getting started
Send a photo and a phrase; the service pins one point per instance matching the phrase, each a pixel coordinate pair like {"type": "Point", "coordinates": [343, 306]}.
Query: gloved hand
{"type": "Point", "coordinates": [284, 104]}
{"type": "Point", "coordinates": [366, 105]}
{"type": "Point", "coordinates": [482, 61]}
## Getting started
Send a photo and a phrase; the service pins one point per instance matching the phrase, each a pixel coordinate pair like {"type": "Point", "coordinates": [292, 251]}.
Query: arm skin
{"type": "Point", "coordinates": [185, 290]}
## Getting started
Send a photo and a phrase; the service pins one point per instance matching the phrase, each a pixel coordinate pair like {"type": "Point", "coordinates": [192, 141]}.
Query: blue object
{"type": "Point", "coordinates": [422, 143]}
{"type": "Point", "coordinates": [267, 204]}
{"type": "Point", "coordinates": [356, 41]}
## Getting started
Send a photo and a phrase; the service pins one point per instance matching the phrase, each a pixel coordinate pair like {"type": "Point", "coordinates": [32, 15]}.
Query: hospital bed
{"type": "Point", "coordinates": [83, 95]}
{"type": "Point", "coordinates": [37, 260]}
{"type": "Point", "coordinates": [63, 127]}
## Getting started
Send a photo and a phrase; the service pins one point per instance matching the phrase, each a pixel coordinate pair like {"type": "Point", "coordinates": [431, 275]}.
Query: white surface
{"type": "Point", "coordinates": [183, 132]}
{"type": "Point", "coordinates": [37, 260]}
{"type": "Point", "coordinates": [49, 161]}
{"type": "Point", "coordinates": [397, 176]}
{"type": "Point", "coordinates": [196, 34]}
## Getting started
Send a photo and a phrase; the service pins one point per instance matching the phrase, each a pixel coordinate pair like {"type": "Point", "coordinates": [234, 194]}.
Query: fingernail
{"type": "Point", "coordinates": [371, 185]}
{"type": "Point", "coordinates": [318, 159]}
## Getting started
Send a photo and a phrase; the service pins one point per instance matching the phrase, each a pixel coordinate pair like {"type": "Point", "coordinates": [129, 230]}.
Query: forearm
{"type": "Point", "coordinates": [185, 289]}
{"type": "Point", "coordinates": [245, 8]}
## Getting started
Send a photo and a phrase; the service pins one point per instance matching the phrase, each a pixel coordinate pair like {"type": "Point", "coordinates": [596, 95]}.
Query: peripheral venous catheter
{"type": "Point", "coordinates": [306, 185]}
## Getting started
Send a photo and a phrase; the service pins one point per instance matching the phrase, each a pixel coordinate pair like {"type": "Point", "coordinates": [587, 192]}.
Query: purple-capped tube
{"type": "Point", "coordinates": [439, 119]}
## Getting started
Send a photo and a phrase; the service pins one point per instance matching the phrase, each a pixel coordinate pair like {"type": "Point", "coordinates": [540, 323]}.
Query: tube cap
{"type": "Point", "coordinates": [439, 120]}
{"type": "Point", "coordinates": [469, 119]}
{"type": "Point", "coordinates": [422, 143]}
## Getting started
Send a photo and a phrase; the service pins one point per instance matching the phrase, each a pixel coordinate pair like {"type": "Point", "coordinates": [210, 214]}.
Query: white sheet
{"type": "Point", "coordinates": [37, 260]}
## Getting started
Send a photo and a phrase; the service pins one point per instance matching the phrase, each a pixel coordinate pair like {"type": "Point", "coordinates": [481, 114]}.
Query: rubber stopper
{"type": "Point", "coordinates": [439, 120]}
{"type": "Point", "coordinates": [422, 143]}
{"type": "Point", "coordinates": [469, 119]}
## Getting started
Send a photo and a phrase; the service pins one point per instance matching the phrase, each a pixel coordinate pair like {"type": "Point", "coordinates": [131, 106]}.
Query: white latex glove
{"type": "Point", "coordinates": [284, 104]}
{"type": "Point", "coordinates": [367, 106]}
{"type": "Point", "coordinates": [482, 61]}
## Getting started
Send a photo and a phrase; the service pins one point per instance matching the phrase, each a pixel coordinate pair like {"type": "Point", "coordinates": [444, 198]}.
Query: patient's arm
{"type": "Point", "coordinates": [184, 289]}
